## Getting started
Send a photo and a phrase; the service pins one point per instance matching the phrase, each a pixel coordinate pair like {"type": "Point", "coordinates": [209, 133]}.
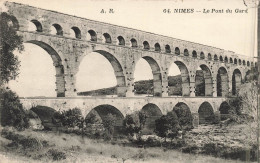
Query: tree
{"type": "Point", "coordinates": [9, 41]}
{"type": "Point", "coordinates": [134, 123]}
{"type": "Point", "coordinates": [167, 125]}
{"type": "Point", "coordinates": [184, 117]}
{"type": "Point", "coordinates": [109, 123]}
{"type": "Point", "coordinates": [72, 118]}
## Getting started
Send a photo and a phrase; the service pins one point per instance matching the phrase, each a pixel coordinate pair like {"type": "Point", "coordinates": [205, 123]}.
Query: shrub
{"type": "Point", "coordinates": [72, 118]}
{"type": "Point", "coordinates": [167, 126]}
{"type": "Point", "coordinates": [109, 123]}
{"type": "Point", "coordinates": [12, 113]}
{"type": "Point", "coordinates": [134, 123]}
{"type": "Point", "coordinates": [184, 117]}
{"type": "Point", "coordinates": [56, 154]}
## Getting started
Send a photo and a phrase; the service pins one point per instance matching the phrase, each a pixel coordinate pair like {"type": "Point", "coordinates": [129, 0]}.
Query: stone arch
{"type": "Point", "coordinates": [134, 43]}
{"type": "Point", "coordinates": [121, 40]}
{"type": "Point", "coordinates": [177, 51]}
{"type": "Point", "coordinates": [77, 32]}
{"type": "Point", "coordinates": [209, 57]}
{"type": "Point", "coordinates": [157, 47]}
{"type": "Point", "coordinates": [224, 110]}
{"type": "Point", "coordinates": [206, 113]}
{"type": "Point", "coordinates": [226, 59]}
{"type": "Point", "coordinates": [167, 49]}
{"type": "Point", "coordinates": [93, 35]}
{"type": "Point", "coordinates": [230, 60]}
{"type": "Point", "coordinates": [107, 37]}
{"type": "Point", "coordinates": [207, 81]}
{"type": "Point", "coordinates": [186, 52]}
{"type": "Point", "coordinates": [157, 77]}
{"type": "Point", "coordinates": [244, 62]}
{"type": "Point", "coordinates": [101, 112]}
{"type": "Point", "coordinates": [146, 45]}
{"type": "Point", "coordinates": [215, 57]}
{"type": "Point", "coordinates": [239, 62]}
{"type": "Point", "coordinates": [183, 113]}
{"type": "Point", "coordinates": [185, 79]}
{"type": "Point", "coordinates": [222, 82]}
{"type": "Point", "coordinates": [57, 63]}
{"type": "Point", "coordinates": [235, 61]}
{"type": "Point", "coordinates": [236, 81]}
{"type": "Point", "coordinates": [202, 55]}
{"type": "Point", "coordinates": [58, 28]}
{"type": "Point", "coordinates": [194, 54]}
{"type": "Point", "coordinates": [153, 112]}
{"type": "Point", "coordinates": [221, 59]}
{"type": "Point", "coordinates": [248, 63]}
{"type": "Point", "coordinates": [118, 71]}
{"type": "Point", "coordinates": [38, 25]}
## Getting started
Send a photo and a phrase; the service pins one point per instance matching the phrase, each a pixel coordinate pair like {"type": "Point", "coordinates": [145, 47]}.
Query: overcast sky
{"type": "Point", "coordinates": [234, 32]}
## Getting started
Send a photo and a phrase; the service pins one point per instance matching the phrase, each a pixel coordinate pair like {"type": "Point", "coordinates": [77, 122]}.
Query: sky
{"type": "Point", "coordinates": [229, 31]}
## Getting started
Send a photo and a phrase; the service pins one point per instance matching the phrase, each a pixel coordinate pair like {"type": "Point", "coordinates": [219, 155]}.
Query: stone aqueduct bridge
{"type": "Point", "coordinates": [123, 47]}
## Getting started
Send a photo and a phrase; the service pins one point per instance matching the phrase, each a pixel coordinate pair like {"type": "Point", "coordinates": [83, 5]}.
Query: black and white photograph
{"type": "Point", "coordinates": [120, 81]}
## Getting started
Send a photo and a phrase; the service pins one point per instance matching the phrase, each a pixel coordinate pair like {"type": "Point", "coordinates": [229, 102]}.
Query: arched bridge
{"type": "Point", "coordinates": [76, 37]}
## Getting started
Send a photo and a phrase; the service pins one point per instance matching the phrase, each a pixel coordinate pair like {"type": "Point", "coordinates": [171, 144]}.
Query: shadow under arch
{"type": "Point", "coordinates": [57, 63]}
{"type": "Point", "coordinates": [207, 88]}
{"type": "Point", "coordinates": [185, 79]}
{"type": "Point", "coordinates": [157, 77]}
{"type": "Point", "coordinates": [153, 112]}
{"type": "Point", "coordinates": [236, 81]}
{"type": "Point", "coordinates": [206, 113]}
{"type": "Point", "coordinates": [102, 112]}
{"type": "Point", "coordinates": [222, 82]}
{"type": "Point", "coordinates": [224, 110]}
{"type": "Point", "coordinates": [118, 71]}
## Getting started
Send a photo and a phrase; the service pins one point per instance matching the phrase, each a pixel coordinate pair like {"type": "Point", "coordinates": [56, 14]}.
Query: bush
{"type": "Point", "coordinates": [72, 118]}
{"type": "Point", "coordinates": [109, 123]}
{"type": "Point", "coordinates": [134, 123]}
{"type": "Point", "coordinates": [167, 126]}
{"type": "Point", "coordinates": [56, 154]}
{"type": "Point", "coordinates": [184, 117]}
{"type": "Point", "coordinates": [12, 113]}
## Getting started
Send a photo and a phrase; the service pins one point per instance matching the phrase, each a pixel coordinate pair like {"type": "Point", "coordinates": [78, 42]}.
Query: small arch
{"type": "Point", "coordinates": [133, 43]}
{"type": "Point", "coordinates": [221, 59]}
{"type": "Point", "coordinates": [153, 112]}
{"type": "Point", "coordinates": [194, 54]}
{"type": "Point", "coordinates": [248, 63]}
{"type": "Point", "coordinates": [121, 40]}
{"type": "Point", "coordinates": [236, 81]}
{"type": "Point", "coordinates": [186, 52]}
{"type": "Point", "coordinates": [206, 113]}
{"type": "Point", "coordinates": [58, 29]}
{"type": "Point", "coordinates": [209, 57]}
{"type": "Point", "coordinates": [230, 60]}
{"type": "Point", "coordinates": [226, 59]}
{"type": "Point", "coordinates": [38, 25]}
{"type": "Point", "coordinates": [239, 62]}
{"type": "Point", "coordinates": [101, 112]}
{"type": "Point", "coordinates": [93, 36]}
{"type": "Point", "coordinates": [203, 82]}
{"type": "Point", "coordinates": [224, 110]}
{"type": "Point", "coordinates": [215, 57]}
{"type": "Point", "coordinates": [202, 55]}
{"type": "Point", "coordinates": [77, 32]}
{"type": "Point", "coordinates": [177, 51]}
{"type": "Point", "coordinates": [244, 62]}
{"type": "Point", "coordinates": [235, 61]}
{"type": "Point", "coordinates": [107, 38]}
{"type": "Point", "coordinates": [167, 48]}
{"type": "Point", "coordinates": [146, 45]}
{"type": "Point", "coordinates": [157, 47]}
{"type": "Point", "coordinates": [252, 64]}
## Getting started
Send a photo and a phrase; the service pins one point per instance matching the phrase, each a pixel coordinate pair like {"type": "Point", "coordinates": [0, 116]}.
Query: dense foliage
{"type": "Point", "coordinates": [12, 113]}
{"type": "Point", "coordinates": [9, 64]}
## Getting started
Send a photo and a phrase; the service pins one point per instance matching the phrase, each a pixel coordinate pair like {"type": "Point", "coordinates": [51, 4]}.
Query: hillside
{"type": "Point", "coordinates": [145, 87]}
